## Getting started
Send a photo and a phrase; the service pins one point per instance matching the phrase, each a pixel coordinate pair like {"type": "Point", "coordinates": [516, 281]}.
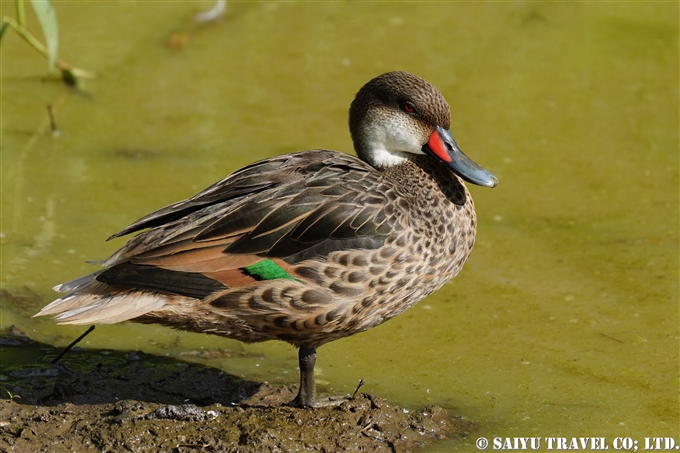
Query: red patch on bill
{"type": "Point", "coordinates": [437, 147]}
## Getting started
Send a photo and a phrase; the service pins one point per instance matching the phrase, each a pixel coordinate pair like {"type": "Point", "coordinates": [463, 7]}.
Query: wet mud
{"type": "Point", "coordinates": [112, 401]}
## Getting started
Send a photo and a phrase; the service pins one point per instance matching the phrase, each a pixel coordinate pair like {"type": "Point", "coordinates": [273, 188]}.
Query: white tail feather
{"type": "Point", "coordinates": [93, 302]}
{"type": "Point", "coordinates": [96, 309]}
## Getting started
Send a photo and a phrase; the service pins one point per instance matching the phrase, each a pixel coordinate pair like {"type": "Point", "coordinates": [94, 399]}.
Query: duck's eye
{"type": "Point", "coordinates": [408, 107]}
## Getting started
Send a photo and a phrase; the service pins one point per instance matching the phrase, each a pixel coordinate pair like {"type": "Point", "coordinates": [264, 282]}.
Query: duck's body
{"type": "Point", "coordinates": [305, 248]}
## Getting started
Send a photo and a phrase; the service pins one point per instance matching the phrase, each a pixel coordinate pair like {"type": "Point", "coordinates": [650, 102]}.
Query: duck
{"type": "Point", "coordinates": [307, 247]}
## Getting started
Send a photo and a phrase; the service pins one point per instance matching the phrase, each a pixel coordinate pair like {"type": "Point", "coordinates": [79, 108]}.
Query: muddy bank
{"type": "Point", "coordinates": [110, 401]}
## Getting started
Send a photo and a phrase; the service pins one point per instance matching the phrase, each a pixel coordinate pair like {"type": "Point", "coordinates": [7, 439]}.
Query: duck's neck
{"type": "Point", "coordinates": [428, 181]}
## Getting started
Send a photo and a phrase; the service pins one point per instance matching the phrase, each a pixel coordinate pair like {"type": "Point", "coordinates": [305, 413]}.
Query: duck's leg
{"type": "Point", "coordinates": [307, 359]}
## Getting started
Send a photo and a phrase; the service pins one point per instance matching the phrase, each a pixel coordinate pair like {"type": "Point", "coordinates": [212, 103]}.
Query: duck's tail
{"type": "Point", "coordinates": [93, 302]}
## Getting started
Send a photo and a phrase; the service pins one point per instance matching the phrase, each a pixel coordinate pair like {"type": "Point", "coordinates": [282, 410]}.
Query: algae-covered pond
{"type": "Point", "coordinates": [564, 321]}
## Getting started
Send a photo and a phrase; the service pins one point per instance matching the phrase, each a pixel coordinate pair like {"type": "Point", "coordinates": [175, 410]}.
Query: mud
{"type": "Point", "coordinates": [111, 401]}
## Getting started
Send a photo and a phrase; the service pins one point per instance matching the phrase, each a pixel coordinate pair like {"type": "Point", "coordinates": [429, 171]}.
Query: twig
{"type": "Point", "coordinates": [53, 122]}
{"type": "Point", "coordinates": [73, 343]}
{"type": "Point", "coordinates": [361, 382]}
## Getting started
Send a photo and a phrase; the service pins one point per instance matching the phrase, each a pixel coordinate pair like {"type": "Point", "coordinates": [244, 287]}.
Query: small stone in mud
{"type": "Point", "coordinates": [186, 412]}
{"type": "Point", "coordinates": [124, 411]}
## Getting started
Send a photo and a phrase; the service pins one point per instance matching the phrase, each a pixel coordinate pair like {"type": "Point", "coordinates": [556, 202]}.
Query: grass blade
{"type": "Point", "coordinates": [48, 21]}
{"type": "Point", "coordinates": [3, 27]}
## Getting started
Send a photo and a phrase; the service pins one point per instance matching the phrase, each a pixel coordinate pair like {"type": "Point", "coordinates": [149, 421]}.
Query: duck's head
{"type": "Point", "coordinates": [398, 115]}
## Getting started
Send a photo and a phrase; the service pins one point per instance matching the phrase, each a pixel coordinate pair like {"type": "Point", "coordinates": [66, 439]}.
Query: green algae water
{"type": "Point", "coordinates": [564, 322]}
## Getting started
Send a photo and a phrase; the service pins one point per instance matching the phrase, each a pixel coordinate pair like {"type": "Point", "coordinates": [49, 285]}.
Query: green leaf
{"type": "Point", "coordinates": [48, 21]}
{"type": "Point", "coordinates": [3, 27]}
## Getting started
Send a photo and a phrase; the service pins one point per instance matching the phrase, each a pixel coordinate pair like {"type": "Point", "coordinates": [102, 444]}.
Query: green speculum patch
{"type": "Point", "coordinates": [267, 270]}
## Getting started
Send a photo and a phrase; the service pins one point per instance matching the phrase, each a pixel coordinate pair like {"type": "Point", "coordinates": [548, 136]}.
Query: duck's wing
{"type": "Point", "coordinates": [249, 180]}
{"type": "Point", "coordinates": [255, 225]}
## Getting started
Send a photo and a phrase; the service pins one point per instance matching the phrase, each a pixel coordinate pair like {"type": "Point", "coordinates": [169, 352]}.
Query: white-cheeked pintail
{"type": "Point", "coordinates": [306, 247]}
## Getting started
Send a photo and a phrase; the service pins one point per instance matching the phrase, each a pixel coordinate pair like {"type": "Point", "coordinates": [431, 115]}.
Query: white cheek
{"type": "Point", "coordinates": [388, 145]}
{"type": "Point", "coordinates": [404, 140]}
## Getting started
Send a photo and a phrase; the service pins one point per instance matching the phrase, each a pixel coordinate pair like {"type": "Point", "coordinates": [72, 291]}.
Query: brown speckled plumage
{"type": "Point", "coordinates": [351, 242]}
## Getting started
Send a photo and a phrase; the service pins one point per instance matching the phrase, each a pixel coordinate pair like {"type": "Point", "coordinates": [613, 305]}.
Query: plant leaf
{"type": "Point", "coordinates": [48, 21]}
{"type": "Point", "coordinates": [3, 27]}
